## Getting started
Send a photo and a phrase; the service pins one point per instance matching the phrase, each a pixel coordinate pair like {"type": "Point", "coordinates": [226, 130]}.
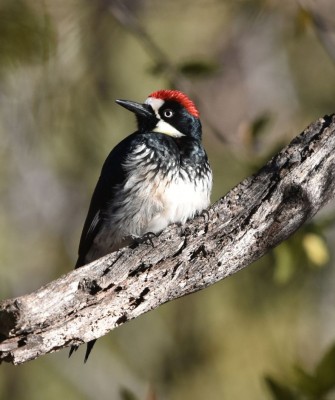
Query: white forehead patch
{"type": "Point", "coordinates": [156, 104]}
{"type": "Point", "coordinates": [162, 126]}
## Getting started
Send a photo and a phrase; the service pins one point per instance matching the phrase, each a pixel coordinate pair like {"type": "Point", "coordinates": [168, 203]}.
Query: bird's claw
{"type": "Point", "coordinates": [147, 238]}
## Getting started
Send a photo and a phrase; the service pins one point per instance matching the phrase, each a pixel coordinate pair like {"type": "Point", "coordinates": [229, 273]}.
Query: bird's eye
{"type": "Point", "coordinates": [168, 113]}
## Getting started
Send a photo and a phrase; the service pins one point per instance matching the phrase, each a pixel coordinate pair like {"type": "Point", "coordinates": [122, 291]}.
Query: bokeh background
{"type": "Point", "coordinates": [260, 71]}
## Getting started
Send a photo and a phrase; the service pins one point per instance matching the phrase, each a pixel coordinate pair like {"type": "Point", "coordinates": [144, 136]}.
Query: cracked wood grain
{"type": "Point", "coordinates": [252, 218]}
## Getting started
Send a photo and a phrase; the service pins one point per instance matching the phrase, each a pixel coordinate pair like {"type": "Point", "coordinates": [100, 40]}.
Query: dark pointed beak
{"type": "Point", "coordinates": [143, 110]}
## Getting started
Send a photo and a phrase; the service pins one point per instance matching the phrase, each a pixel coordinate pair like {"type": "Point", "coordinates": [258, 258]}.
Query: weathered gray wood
{"type": "Point", "coordinates": [255, 216]}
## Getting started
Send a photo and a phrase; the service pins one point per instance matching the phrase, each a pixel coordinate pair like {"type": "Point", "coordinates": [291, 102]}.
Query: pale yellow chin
{"type": "Point", "coordinates": [167, 129]}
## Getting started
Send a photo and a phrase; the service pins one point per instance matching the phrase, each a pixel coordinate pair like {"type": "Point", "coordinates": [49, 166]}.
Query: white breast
{"type": "Point", "coordinates": [181, 200]}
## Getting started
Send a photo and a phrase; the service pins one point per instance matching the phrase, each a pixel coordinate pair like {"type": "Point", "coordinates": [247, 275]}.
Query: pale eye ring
{"type": "Point", "coordinates": [168, 113]}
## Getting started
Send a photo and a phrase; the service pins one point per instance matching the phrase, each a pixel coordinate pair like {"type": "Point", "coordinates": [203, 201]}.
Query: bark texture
{"type": "Point", "coordinates": [252, 218]}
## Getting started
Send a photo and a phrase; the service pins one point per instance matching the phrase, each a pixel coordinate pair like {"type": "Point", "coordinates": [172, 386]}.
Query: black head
{"type": "Point", "coordinates": [166, 111]}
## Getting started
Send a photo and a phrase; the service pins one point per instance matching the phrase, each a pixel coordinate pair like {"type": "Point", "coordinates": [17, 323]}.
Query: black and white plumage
{"type": "Point", "coordinates": [157, 176]}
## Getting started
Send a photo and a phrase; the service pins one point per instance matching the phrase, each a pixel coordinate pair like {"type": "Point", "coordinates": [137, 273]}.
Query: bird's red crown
{"type": "Point", "coordinates": [177, 96]}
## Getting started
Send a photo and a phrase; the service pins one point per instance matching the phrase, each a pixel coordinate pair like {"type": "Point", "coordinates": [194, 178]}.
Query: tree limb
{"type": "Point", "coordinates": [252, 218]}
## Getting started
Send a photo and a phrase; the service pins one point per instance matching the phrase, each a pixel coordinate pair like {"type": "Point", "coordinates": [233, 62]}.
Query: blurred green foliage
{"type": "Point", "coordinates": [307, 386]}
{"type": "Point", "coordinates": [126, 394]}
{"type": "Point", "coordinates": [25, 36]}
{"type": "Point", "coordinates": [259, 72]}
{"type": "Point", "coordinates": [280, 391]}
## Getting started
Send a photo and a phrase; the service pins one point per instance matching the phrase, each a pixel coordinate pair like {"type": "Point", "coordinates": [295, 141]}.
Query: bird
{"type": "Point", "coordinates": [156, 176]}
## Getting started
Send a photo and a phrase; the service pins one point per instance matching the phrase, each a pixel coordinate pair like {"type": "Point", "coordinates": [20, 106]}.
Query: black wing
{"type": "Point", "coordinates": [111, 175]}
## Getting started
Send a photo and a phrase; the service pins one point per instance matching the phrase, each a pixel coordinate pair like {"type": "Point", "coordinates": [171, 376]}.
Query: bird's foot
{"type": "Point", "coordinates": [146, 238]}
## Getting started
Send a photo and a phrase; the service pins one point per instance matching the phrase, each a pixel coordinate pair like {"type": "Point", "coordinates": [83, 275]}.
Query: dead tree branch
{"type": "Point", "coordinates": [252, 218]}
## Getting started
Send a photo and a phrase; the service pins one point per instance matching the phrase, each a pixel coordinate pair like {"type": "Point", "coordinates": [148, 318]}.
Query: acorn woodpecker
{"type": "Point", "coordinates": [156, 176]}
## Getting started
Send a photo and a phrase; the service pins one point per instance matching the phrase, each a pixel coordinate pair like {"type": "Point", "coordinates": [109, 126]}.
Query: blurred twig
{"type": "Point", "coordinates": [324, 28]}
{"type": "Point", "coordinates": [259, 213]}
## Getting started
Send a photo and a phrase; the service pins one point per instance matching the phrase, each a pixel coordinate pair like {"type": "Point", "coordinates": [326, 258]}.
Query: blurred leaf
{"type": "Point", "coordinates": [325, 371]}
{"type": "Point", "coordinates": [24, 36]}
{"type": "Point", "coordinates": [306, 248]}
{"type": "Point", "coordinates": [192, 69]}
{"type": "Point", "coordinates": [305, 382]}
{"type": "Point", "coordinates": [303, 20]}
{"type": "Point", "coordinates": [311, 386]}
{"type": "Point", "coordinates": [259, 124]}
{"type": "Point", "coordinates": [280, 391]}
{"type": "Point", "coordinates": [316, 249]}
{"type": "Point", "coordinates": [198, 69]}
{"type": "Point", "coordinates": [126, 394]}
{"type": "Point", "coordinates": [284, 263]}
{"type": "Point", "coordinates": [251, 132]}
{"type": "Point", "coordinates": [157, 69]}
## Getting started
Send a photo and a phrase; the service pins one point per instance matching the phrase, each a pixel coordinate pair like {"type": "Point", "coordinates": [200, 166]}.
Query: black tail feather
{"type": "Point", "coordinates": [73, 349]}
{"type": "Point", "coordinates": [89, 349]}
